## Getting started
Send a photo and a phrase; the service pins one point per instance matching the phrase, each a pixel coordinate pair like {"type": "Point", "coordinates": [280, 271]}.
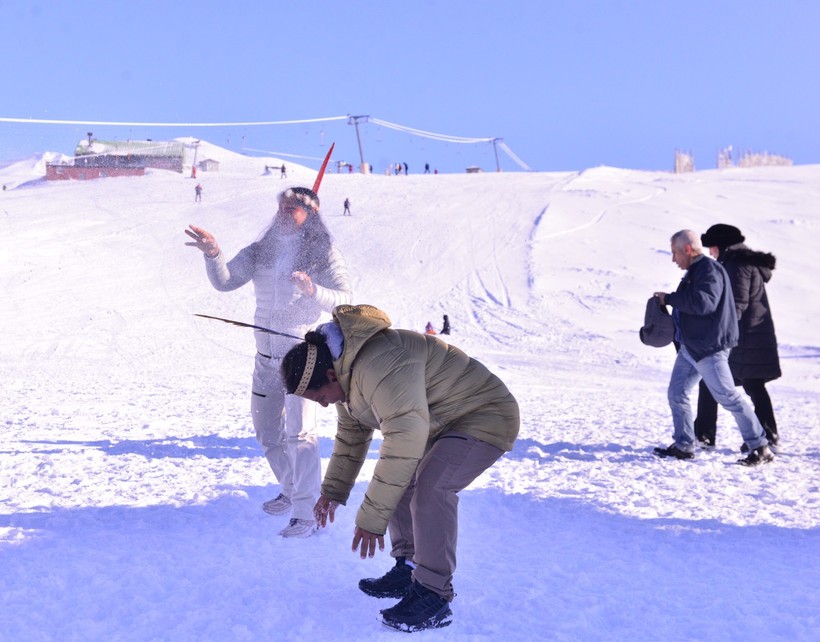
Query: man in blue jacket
{"type": "Point", "coordinates": [706, 329]}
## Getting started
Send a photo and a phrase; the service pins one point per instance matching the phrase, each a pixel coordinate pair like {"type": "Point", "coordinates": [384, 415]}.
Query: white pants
{"type": "Point", "coordinates": [287, 431]}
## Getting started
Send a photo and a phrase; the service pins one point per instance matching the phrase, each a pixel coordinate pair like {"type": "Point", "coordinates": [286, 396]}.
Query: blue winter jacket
{"type": "Point", "coordinates": [704, 309]}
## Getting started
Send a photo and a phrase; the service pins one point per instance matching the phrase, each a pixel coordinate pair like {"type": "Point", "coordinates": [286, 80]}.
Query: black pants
{"type": "Point", "coordinates": [706, 419]}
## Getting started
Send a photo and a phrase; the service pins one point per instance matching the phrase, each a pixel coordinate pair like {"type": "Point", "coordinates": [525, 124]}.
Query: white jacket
{"type": "Point", "coordinates": [281, 305]}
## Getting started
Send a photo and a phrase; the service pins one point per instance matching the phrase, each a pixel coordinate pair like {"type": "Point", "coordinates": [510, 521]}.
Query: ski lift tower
{"type": "Point", "coordinates": [364, 168]}
{"type": "Point", "coordinates": [193, 163]}
{"type": "Point", "coordinates": [495, 149]}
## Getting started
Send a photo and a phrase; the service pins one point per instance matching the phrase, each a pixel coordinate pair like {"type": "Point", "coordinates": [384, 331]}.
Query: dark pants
{"type": "Point", "coordinates": [424, 527]}
{"type": "Point", "coordinates": [706, 420]}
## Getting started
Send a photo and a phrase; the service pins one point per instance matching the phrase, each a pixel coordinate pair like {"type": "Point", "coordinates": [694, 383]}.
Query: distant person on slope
{"type": "Point", "coordinates": [445, 329]}
{"type": "Point", "coordinates": [347, 208]}
{"type": "Point", "coordinates": [198, 193]}
{"type": "Point", "coordinates": [444, 419]}
{"type": "Point", "coordinates": [297, 274]}
{"type": "Point", "coordinates": [703, 309]}
{"type": "Point", "coordinates": [754, 360]}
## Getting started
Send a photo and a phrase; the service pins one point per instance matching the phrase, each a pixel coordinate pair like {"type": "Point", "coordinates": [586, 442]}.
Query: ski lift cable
{"type": "Point", "coordinates": [402, 128]}
{"type": "Point", "coordinates": [41, 121]}
{"type": "Point", "coordinates": [426, 134]}
{"type": "Point", "coordinates": [270, 153]}
{"type": "Point", "coordinates": [515, 158]}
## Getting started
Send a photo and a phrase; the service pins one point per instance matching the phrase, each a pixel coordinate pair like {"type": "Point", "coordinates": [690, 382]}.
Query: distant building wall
{"type": "Point", "coordinates": [209, 165]}
{"type": "Point", "coordinates": [724, 158]}
{"type": "Point", "coordinates": [157, 154]}
{"type": "Point", "coordinates": [81, 173]}
{"type": "Point", "coordinates": [173, 164]}
{"type": "Point", "coordinates": [684, 162]}
{"type": "Point", "coordinates": [757, 159]}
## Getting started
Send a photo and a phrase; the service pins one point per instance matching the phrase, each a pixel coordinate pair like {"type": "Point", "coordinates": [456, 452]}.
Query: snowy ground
{"type": "Point", "coordinates": [131, 484]}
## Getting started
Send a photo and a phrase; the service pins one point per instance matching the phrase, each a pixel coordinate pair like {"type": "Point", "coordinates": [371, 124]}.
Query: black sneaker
{"type": "Point", "coordinates": [673, 451]}
{"type": "Point", "coordinates": [705, 442]}
{"type": "Point", "coordinates": [419, 609]}
{"type": "Point", "coordinates": [761, 455]}
{"type": "Point", "coordinates": [774, 442]}
{"type": "Point", "coordinates": [394, 583]}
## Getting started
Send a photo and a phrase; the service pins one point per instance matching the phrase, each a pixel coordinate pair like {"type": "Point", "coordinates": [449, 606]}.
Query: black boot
{"type": "Point", "coordinates": [761, 455]}
{"type": "Point", "coordinates": [773, 439]}
{"type": "Point", "coordinates": [420, 609]}
{"type": "Point", "coordinates": [394, 583]}
{"type": "Point", "coordinates": [673, 451]}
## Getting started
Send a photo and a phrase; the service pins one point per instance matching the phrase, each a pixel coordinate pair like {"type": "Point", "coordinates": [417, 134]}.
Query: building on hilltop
{"type": "Point", "coordinates": [209, 165]}
{"type": "Point", "coordinates": [100, 158]}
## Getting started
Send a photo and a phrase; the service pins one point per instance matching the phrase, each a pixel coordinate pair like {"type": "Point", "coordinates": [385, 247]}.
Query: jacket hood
{"type": "Point", "coordinates": [358, 324]}
{"type": "Point", "coordinates": [764, 261]}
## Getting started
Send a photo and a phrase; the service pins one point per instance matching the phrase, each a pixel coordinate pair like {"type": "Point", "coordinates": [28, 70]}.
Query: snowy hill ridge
{"type": "Point", "coordinates": [132, 484]}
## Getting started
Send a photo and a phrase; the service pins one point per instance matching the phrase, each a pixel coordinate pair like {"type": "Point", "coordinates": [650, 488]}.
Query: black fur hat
{"type": "Point", "coordinates": [721, 235]}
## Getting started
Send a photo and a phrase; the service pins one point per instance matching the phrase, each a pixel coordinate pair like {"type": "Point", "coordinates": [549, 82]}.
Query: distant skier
{"type": "Point", "coordinates": [429, 329]}
{"type": "Point", "coordinates": [347, 208]}
{"type": "Point", "coordinates": [198, 193]}
{"type": "Point", "coordinates": [445, 329]}
{"type": "Point", "coordinates": [283, 172]}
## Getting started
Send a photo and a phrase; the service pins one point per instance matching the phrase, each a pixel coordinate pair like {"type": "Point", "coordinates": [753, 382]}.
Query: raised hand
{"type": "Point", "coordinates": [204, 241]}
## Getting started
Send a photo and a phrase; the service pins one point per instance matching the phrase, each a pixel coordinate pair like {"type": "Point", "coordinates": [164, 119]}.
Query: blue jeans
{"type": "Point", "coordinates": [714, 370]}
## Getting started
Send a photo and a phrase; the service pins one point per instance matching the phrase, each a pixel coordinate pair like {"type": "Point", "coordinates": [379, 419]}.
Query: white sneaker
{"type": "Point", "coordinates": [299, 528]}
{"type": "Point", "coordinates": [279, 505]}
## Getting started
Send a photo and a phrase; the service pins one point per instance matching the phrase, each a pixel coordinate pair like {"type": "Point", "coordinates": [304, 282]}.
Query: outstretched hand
{"type": "Point", "coordinates": [366, 541]}
{"type": "Point", "coordinates": [323, 509]}
{"type": "Point", "coordinates": [204, 241]}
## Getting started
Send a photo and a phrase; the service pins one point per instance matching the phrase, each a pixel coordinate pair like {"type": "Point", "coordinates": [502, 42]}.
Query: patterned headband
{"type": "Point", "coordinates": [312, 203]}
{"type": "Point", "coordinates": [310, 366]}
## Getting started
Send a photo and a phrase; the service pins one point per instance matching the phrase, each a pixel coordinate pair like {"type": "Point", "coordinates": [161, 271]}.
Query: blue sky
{"type": "Point", "coordinates": [568, 85]}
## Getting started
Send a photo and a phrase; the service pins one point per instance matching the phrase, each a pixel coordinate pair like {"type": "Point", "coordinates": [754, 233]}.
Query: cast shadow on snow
{"type": "Point", "coordinates": [533, 449]}
{"type": "Point", "coordinates": [209, 446]}
{"type": "Point", "coordinates": [241, 505]}
{"type": "Point", "coordinates": [575, 559]}
{"type": "Point", "coordinates": [564, 450]}
{"type": "Point", "coordinates": [510, 512]}
{"type": "Point", "coordinates": [216, 447]}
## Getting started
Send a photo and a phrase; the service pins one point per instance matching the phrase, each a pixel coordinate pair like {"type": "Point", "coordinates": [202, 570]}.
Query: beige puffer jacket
{"type": "Point", "coordinates": [413, 388]}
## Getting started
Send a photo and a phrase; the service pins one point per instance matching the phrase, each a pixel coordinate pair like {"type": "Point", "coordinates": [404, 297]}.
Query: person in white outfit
{"type": "Point", "coordinates": [297, 275]}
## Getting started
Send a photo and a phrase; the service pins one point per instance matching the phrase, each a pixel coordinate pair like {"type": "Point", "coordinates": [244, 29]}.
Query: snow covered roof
{"type": "Point", "coordinates": [123, 147]}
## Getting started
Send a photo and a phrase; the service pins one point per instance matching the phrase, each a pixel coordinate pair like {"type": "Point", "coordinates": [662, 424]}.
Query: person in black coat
{"type": "Point", "coordinates": [754, 361]}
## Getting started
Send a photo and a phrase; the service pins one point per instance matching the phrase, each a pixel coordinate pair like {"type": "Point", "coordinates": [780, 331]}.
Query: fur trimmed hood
{"type": "Point", "coordinates": [742, 255]}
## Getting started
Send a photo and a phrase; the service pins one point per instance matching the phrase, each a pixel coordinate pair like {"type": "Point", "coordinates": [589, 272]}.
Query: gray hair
{"type": "Point", "coordinates": [687, 237]}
